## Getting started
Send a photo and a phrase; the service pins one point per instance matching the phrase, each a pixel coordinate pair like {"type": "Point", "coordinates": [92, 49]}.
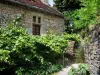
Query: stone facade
{"type": "Point", "coordinates": [49, 23]}
{"type": "Point", "coordinates": [92, 50]}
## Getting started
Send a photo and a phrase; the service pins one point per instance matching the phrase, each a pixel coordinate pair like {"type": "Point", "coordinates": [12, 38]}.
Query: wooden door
{"type": "Point", "coordinates": [36, 29]}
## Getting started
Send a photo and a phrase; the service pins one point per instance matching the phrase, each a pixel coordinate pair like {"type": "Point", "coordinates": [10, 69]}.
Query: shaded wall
{"type": "Point", "coordinates": [92, 50]}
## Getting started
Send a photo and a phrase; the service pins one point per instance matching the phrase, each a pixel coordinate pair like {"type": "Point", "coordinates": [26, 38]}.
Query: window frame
{"type": "Point", "coordinates": [38, 24]}
{"type": "Point", "coordinates": [36, 29]}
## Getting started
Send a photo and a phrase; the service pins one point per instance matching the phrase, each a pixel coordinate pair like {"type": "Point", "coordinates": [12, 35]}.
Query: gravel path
{"type": "Point", "coordinates": [66, 70]}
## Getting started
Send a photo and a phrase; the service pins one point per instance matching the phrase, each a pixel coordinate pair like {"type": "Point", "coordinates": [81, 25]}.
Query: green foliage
{"type": "Point", "coordinates": [31, 55]}
{"type": "Point", "coordinates": [4, 55]}
{"type": "Point", "coordinates": [28, 54]}
{"type": "Point", "coordinates": [79, 55]}
{"type": "Point", "coordinates": [79, 19]}
{"type": "Point", "coordinates": [81, 70]}
{"type": "Point", "coordinates": [83, 17]}
{"type": "Point", "coordinates": [56, 43]}
{"type": "Point", "coordinates": [73, 37]}
{"type": "Point", "coordinates": [8, 35]}
{"type": "Point", "coordinates": [86, 39]}
{"type": "Point", "coordinates": [64, 5]}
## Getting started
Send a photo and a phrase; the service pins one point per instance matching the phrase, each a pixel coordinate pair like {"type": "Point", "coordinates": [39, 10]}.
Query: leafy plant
{"type": "Point", "coordinates": [81, 70]}
{"type": "Point", "coordinates": [78, 20]}
{"type": "Point", "coordinates": [25, 54]}
{"type": "Point", "coordinates": [79, 55]}
{"type": "Point", "coordinates": [28, 54]}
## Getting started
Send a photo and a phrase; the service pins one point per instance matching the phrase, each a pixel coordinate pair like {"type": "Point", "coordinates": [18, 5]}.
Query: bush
{"type": "Point", "coordinates": [81, 70]}
{"type": "Point", "coordinates": [27, 54]}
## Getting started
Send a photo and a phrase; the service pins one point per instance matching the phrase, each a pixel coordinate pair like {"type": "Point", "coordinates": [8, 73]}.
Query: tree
{"type": "Point", "coordinates": [63, 5]}
{"type": "Point", "coordinates": [79, 19]}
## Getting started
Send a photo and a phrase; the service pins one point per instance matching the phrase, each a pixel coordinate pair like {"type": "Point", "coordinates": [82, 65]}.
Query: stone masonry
{"type": "Point", "coordinates": [50, 23]}
{"type": "Point", "coordinates": [92, 50]}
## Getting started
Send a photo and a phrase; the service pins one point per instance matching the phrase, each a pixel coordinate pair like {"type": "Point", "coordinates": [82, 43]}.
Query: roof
{"type": "Point", "coordinates": [36, 4]}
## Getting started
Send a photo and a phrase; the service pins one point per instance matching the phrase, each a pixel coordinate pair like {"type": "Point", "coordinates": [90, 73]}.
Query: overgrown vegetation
{"type": "Point", "coordinates": [67, 5]}
{"type": "Point", "coordinates": [28, 54]}
{"type": "Point", "coordinates": [79, 55]}
{"type": "Point", "coordinates": [79, 19]}
{"type": "Point", "coordinates": [25, 54]}
{"type": "Point", "coordinates": [82, 69]}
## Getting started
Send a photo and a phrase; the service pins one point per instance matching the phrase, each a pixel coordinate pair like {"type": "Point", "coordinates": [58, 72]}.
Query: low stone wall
{"type": "Point", "coordinates": [92, 50]}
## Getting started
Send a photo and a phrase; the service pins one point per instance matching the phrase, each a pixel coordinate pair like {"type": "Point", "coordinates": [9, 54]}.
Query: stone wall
{"type": "Point", "coordinates": [92, 50]}
{"type": "Point", "coordinates": [50, 23]}
{"type": "Point", "coordinates": [71, 48]}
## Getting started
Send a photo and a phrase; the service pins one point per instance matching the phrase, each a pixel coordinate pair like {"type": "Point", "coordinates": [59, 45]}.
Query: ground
{"type": "Point", "coordinates": [65, 71]}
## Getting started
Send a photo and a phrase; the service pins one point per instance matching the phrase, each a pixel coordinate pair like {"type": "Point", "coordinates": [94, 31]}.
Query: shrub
{"type": "Point", "coordinates": [81, 70]}
{"type": "Point", "coordinates": [27, 54]}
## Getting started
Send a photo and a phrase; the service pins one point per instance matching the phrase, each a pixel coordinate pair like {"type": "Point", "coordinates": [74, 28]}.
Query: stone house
{"type": "Point", "coordinates": [39, 18]}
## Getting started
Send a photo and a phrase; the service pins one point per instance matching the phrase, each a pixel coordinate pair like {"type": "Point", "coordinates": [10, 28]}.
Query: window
{"type": "Point", "coordinates": [36, 25]}
{"type": "Point", "coordinates": [39, 20]}
{"type": "Point", "coordinates": [34, 19]}
{"type": "Point", "coordinates": [36, 29]}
